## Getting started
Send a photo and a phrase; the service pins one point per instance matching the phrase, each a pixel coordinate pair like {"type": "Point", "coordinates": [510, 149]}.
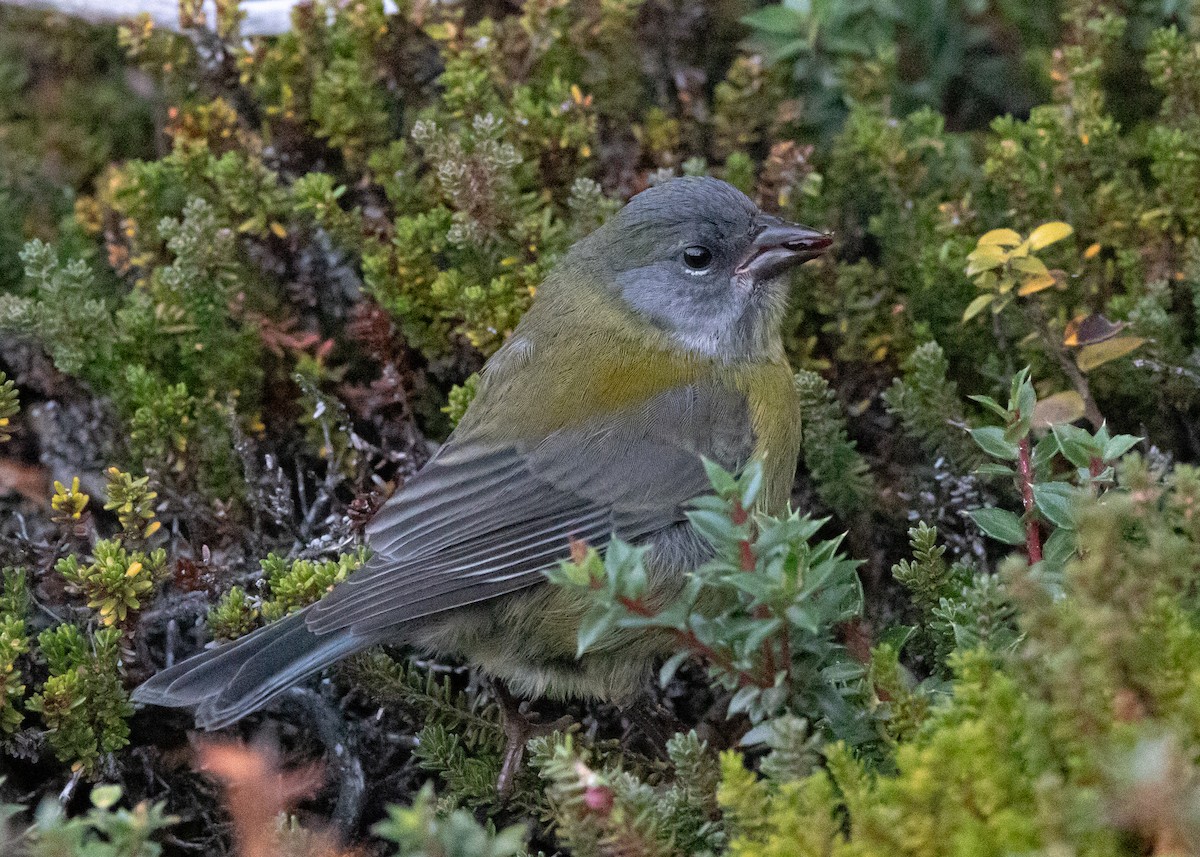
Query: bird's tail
{"type": "Point", "coordinates": [227, 683]}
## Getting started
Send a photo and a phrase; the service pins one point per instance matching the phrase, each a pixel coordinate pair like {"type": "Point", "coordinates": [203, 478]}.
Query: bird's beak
{"type": "Point", "coordinates": [781, 246]}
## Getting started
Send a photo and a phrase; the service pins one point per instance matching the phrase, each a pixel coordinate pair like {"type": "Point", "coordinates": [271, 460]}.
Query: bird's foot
{"type": "Point", "coordinates": [519, 727]}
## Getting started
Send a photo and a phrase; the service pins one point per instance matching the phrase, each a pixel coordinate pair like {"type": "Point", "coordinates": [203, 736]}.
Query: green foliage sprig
{"type": "Point", "coordinates": [771, 641]}
{"type": "Point", "coordinates": [842, 477]}
{"type": "Point", "coordinates": [602, 809]}
{"type": "Point", "coordinates": [1047, 503]}
{"type": "Point", "coordinates": [133, 501]}
{"type": "Point", "coordinates": [116, 579]}
{"type": "Point", "coordinates": [928, 404]}
{"type": "Point", "coordinates": [83, 702]}
{"type": "Point", "coordinates": [14, 644]}
{"type": "Point", "coordinates": [10, 405]}
{"type": "Point", "coordinates": [420, 830]}
{"type": "Point", "coordinates": [105, 830]}
{"type": "Point", "coordinates": [298, 583]}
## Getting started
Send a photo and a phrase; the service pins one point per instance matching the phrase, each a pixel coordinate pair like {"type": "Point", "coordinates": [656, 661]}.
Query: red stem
{"type": "Point", "coordinates": [634, 606]}
{"type": "Point", "coordinates": [748, 563]}
{"type": "Point", "coordinates": [719, 659]}
{"type": "Point", "coordinates": [1033, 536]}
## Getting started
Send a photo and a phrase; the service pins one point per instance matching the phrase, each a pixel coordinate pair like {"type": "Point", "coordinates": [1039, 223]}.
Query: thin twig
{"type": "Point", "coordinates": [1078, 380]}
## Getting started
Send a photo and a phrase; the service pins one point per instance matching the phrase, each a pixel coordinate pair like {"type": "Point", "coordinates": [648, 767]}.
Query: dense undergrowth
{"type": "Point", "coordinates": [244, 287]}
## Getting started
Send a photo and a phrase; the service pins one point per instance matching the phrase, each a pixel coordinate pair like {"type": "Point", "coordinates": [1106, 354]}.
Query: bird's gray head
{"type": "Point", "coordinates": [698, 260]}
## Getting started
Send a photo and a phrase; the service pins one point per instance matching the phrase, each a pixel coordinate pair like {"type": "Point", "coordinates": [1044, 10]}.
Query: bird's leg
{"type": "Point", "coordinates": [519, 727]}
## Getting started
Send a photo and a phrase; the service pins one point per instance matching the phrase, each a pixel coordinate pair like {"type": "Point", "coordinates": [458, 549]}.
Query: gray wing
{"type": "Point", "coordinates": [482, 520]}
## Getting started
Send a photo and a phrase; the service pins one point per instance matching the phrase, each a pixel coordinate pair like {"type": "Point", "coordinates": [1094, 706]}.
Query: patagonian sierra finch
{"type": "Point", "coordinates": [653, 344]}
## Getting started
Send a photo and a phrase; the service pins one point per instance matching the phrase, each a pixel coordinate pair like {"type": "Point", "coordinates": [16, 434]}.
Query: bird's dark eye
{"type": "Point", "coordinates": [697, 257]}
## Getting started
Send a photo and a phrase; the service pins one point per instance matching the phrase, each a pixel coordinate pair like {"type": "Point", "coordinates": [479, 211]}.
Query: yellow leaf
{"type": "Point", "coordinates": [985, 258]}
{"type": "Point", "coordinates": [1001, 238]}
{"type": "Point", "coordinates": [1036, 284]}
{"type": "Point", "coordinates": [1065, 407]}
{"type": "Point", "coordinates": [976, 306]}
{"type": "Point", "coordinates": [1091, 356]}
{"type": "Point", "coordinates": [1030, 265]}
{"type": "Point", "coordinates": [1048, 233]}
{"type": "Point", "coordinates": [1092, 251]}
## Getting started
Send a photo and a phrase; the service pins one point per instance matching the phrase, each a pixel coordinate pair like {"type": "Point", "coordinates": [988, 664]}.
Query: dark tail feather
{"type": "Point", "coordinates": [225, 684]}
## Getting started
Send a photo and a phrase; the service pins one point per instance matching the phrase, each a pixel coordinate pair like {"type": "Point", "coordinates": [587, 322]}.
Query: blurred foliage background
{"type": "Point", "coordinates": [245, 284]}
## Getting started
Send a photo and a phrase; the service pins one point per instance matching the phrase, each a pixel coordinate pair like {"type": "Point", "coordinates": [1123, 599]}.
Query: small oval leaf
{"type": "Point", "coordinates": [999, 524]}
{"type": "Point", "coordinates": [1030, 265]}
{"type": "Point", "coordinates": [1036, 283]}
{"type": "Point", "coordinates": [1048, 233]}
{"type": "Point", "coordinates": [1091, 356]}
{"type": "Point", "coordinates": [977, 306]}
{"type": "Point", "coordinates": [1001, 238]}
{"type": "Point", "coordinates": [984, 259]}
{"type": "Point", "coordinates": [992, 441]}
{"type": "Point", "coordinates": [1064, 407]}
{"type": "Point", "coordinates": [1056, 501]}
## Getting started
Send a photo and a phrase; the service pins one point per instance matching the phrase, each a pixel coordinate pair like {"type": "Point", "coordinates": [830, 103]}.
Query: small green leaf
{"type": "Point", "coordinates": [1076, 444]}
{"type": "Point", "coordinates": [1030, 265]}
{"type": "Point", "coordinates": [1025, 395]}
{"type": "Point", "coordinates": [777, 19]}
{"type": "Point", "coordinates": [1119, 445]}
{"type": "Point", "coordinates": [722, 481]}
{"type": "Point", "coordinates": [991, 404]}
{"type": "Point", "coordinates": [1056, 501]}
{"type": "Point", "coordinates": [838, 673]}
{"type": "Point", "coordinates": [751, 483]}
{"type": "Point", "coordinates": [803, 618]}
{"type": "Point", "coordinates": [595, 625]}
{"type": "Point", "coordinates": [994, 469]}
{"type": "Point", "coordinates": [105, 796]}
{"type": "Point", "coordinates": [896, 636]}
{"type": "Point", "coordinates": [991, 440]}
{"type": "Point", "coordinates": [977, 306]}
{"type": "Point", "coordinates": [999, 524]}
{"type": "Point", "coordinates": [1059, 548]}
{"type": "Point", "coordinates": [743, 699]}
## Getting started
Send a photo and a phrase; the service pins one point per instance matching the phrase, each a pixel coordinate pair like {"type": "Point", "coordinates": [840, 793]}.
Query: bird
{"type": "Point", "coordinates": [654, 344]}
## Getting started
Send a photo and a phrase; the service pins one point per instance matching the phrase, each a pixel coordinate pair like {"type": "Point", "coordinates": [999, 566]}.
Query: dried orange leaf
{"type": "Point", "coordinates": [1036, 284]}
{"type": "Point", "coordinates": [1090, 329]}
{"type": "Point", "coordinates": [1048, 233]}
{"type": "Point", "coordinates": [1091, 356]}
{"type": "Point", "coordinates": [1064, 407]}
{"type": "Point", "coordinates": [1001, 238]}
{"type": "Point", "coordinates": [1092, 251]}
